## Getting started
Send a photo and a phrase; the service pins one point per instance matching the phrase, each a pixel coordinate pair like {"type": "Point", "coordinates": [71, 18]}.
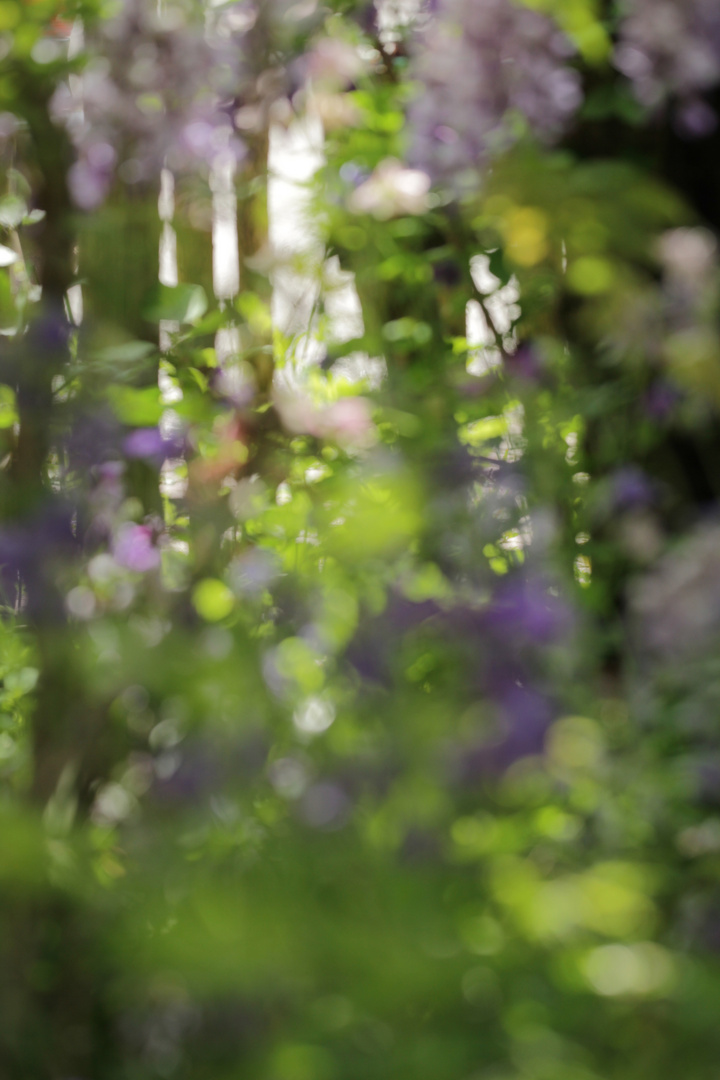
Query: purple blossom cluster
{"type": "Point", "coordinates": [489, 73]}
{"type": "Point", "coordinates": [149, 444]}
{"type": "Point", "coordinates": [31, 550]}
{"type": "Point", "coordinates": [672, 47]}
{"type": "Point", "coordinates": [164, 88]}
{"type": "Point", "coordinates": [150, 91]}
{"type": "Point", "coordinates": [676, 606]}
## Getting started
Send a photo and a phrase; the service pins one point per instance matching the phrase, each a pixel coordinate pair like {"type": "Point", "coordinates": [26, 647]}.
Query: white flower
{"type": "Point", "coordinates": [347, 422]}
{"type": "Point", "coordinates": [392, 190]}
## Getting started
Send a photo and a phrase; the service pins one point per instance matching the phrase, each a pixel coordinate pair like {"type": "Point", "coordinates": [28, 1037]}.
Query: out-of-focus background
{"type": "Point", "coordinates": [359, 604]}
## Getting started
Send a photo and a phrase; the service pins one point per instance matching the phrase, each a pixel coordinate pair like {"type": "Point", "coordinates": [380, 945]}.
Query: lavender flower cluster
{"type": "Point", "coordinates": [165, 88]}
{"type": "Point", "coordinates": [676, 606]}
{"type": "Point", "coordinates": [150, 92]}
{"type": "Point", "coordinates": [672, 48]}
{"type": "Point", "coordinates": [489, 73]}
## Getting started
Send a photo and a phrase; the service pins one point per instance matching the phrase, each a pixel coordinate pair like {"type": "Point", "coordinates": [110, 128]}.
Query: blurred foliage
{"type": "Point", "coordinates": [358, 687]}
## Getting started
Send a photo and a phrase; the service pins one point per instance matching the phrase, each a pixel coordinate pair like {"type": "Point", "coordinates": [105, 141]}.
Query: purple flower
{"type": "Point", "coordinates": [454, 467]}
{"type": "Point", "coordinates": [369, 657]}
{"type": "Point", "coordinates": [525, 610]}
{"type": "Point", "coordinates": [252, 572]}
{"type": "Point", "coordinates": [150, 444]}
{"type": "Point", "coordinates": [49, 332]}
{"type": "Point", "coordinates": [695, 119]}
{"type": "Point", "coordinates": [188, 774]}
{"type": "Point", "coordinates": [353, 174]}
{"type": "Point", "coordinates": [29, 552]}
{"type": "Point", "coordinates": [9, 124]}
{"type": "Point", "coordinates": [93, 441]}
{"type": "Point", "coordinates": [670, 47]}
{"type": "Point", "coordinates": [372, 650]}
{"type": "Point", "coordinates": [158, 87]}
{"type": "Point", "coordinates": [526, 362]}
{"type": "Point", "coordinates": [524, 716]}
{"type": "Point", "coordinates": [105, 499]}
{"type": "Point", "coordinates": [90, 178]}
{"type": "Point", "coordinates": [162, 88]}
{"type": "Point", "coordinates": [144, 443]}
{"type": "Point", "coordinates": [676, 606]}
{"type": "Point", "coordinates": [134, 548]}
{"type": "Point", "coordinates": [483, 66]}
{"type": "Point", "coordinates": [366, 17]}
{"type": "Point", "coordinates": [630, 489]}
{"type": "Point", "coordinates": [325, 806]}
{"type": "Point", "coordinates": [662, 400]}
{"type": "Point", "coordinates": [402, 615]}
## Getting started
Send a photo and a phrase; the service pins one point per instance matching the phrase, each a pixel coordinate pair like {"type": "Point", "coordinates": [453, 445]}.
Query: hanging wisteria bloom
{"type": "Point", "coordinates": [166, 88]}
{"type": "Point", "coordinates": [490, 73]}
{"type": "Point", "coordinates": [151, 93]}
{"type": "Point", "coordinates": [672, 47]}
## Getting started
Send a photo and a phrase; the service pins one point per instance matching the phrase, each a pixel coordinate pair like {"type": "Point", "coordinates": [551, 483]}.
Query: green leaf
{"type": "Point", "coordinates": [125, 362]}
{"type": "Point", "coordinates": [480, 431]}
{"type": "Point", "coordinates": [177, 303]}
{"type": "Point", "coordinates": [195, 407]}
{"type": "Point", "coordinates": [8, 306]}
{"type": "Point", "coordinates": [138, 408]}
{"type": "Point", "coordinates": [23, 681]}
{"type": "Point", "coordinates": [33, 217]}
{"type": "Point", "coordinates": [127, 353]}
{"type": "Point", "coordinates": [12, 211]}
{"type": "Point", "coordinates": [18, 183]}
{"type": "Point", "coordinates": [8, 410]}
{"type": "Point", "coordinates": [256, 312]}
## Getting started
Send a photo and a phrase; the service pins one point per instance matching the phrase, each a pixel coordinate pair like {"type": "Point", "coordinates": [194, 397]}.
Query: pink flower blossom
{"type": "Point", "coordinates": [134, 548]}
{"type": "Point", "coordinates": [347, 422]}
